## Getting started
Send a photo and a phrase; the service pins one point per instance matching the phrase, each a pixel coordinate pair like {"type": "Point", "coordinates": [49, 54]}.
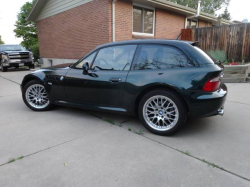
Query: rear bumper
{"type": "Point", "coordinates": [208, 104]}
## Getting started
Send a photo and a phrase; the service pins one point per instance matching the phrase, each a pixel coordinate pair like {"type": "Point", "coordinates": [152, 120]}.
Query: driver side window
{"type": "Point", "coordinates": [88, 59]}
{"type": "Point", "coordinates": [116, 58]}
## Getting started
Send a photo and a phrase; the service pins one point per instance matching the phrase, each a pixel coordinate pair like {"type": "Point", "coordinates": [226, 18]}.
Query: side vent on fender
{"type": "Point", "coordinates": [53, 78]}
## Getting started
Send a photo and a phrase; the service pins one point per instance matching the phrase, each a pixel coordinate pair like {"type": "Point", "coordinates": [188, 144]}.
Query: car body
{"type": "Point", "coordinates": [15, 56]}
{"type": "Point", "coordinates": [188, 80]}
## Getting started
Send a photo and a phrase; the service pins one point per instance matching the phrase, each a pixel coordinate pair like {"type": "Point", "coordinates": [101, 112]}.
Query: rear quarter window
{"type": "Point", "coordinates": [204, 56]}
{"type": "Point", "coordinates": [160, 57]}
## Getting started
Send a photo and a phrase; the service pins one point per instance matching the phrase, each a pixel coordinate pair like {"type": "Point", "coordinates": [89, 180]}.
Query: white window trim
{"type": "Point", "coordinates": [141, 33]}
{"type": "Point", "coordinates": [186, 23]}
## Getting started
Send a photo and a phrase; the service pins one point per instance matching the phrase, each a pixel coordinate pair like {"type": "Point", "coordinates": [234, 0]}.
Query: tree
{"type": "Point", "coordinates": [226, 15]}
{"type": "Point", "coordinates": [27, 30]}
{"type": "Point", "coordinates": [1, 41]}
{"type": "Point", "coordinates": [208, 6]}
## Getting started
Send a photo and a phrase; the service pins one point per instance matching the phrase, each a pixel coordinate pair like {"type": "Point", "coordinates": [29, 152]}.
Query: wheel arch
{"type": "Point", "coordinates": [158, 87]}
{"type": "Point", "coordinates": [29, 78]}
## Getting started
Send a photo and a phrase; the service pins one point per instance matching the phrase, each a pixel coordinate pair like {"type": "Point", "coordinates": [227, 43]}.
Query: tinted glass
{"type": "Point", "coordinates": [115, 58]}
{"type": "Point", "coordinates": [12, 48]}
{"type": "Point", "coordinates": [88, 59]}
{"type": "Point", "coordinates": [148, 21]}
{"type": "Point", "coordinates": [137, 19]}
{"type": "Point", "coordinates": [161, 57]}
{"type": "Point", "coordinates": [207, 58]}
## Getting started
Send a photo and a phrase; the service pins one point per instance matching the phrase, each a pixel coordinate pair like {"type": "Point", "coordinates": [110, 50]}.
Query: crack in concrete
{"type": "Point", "coordinates": [237, 102]}
{"type": "Point", "coordinates": [175, 149]}
{"type": "Point", "coordinates": [42, 150]}
{"type": "Point", "coordinates": [180, 151]}
{"type": "Point", "coordinates": [202, 160]}
{"type": "Point", "coordinates": [10, 80]}
{"type": "Point", "coordinates": [126, 121]}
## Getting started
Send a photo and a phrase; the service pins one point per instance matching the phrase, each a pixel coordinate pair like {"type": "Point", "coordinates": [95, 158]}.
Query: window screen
{"type": "Point", "coordinates": [143, 20]}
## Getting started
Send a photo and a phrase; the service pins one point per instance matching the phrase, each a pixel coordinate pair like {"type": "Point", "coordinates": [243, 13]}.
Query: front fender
{"type": "Point", "coordinates": [52, 79]}
{"type": "Point", "coordinates": [40, 76]}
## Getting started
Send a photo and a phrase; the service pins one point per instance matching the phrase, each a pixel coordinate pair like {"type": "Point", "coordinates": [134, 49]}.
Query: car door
{"type": "Point", "coordinates": [104, 82]}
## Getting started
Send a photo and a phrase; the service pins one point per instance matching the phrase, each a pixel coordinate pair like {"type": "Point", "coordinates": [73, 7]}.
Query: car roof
{"type": "Point", "coordinates": [148, 41]}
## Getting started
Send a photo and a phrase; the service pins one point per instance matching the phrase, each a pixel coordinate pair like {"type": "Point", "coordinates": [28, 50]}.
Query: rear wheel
{"type": "Point", "coordinates": [35, 96]}
{"type": "Point", "coordinates": [162, 112]}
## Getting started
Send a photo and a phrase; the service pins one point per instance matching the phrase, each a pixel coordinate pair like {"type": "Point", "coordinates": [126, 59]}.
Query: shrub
{"type": "Point", "coordinates": [218, 55]}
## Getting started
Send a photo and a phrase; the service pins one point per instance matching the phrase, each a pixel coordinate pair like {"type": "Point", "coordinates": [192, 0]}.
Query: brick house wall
{"type": "Point", "coordinates": [168, 24]}
{"type": "Point", "coordinates": [204, 24]}
{"type": "Point", "coordinates": [73, 33]}
{"type": "Point", "coordinates": [123, 20]}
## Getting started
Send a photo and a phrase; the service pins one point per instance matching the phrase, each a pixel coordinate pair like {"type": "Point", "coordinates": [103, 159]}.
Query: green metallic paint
{"type": "Point", "coordinates": [95, 91]}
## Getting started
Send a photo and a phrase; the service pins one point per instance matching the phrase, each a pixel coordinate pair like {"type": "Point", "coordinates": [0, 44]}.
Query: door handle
{"type": "Point", "coordinates": [115, 80]}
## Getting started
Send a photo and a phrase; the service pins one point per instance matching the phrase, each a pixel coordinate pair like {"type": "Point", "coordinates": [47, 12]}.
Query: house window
{"type": "Point", "coordinates": [192, 24]}
{"type": "Point", "coordinates": [143, 20]}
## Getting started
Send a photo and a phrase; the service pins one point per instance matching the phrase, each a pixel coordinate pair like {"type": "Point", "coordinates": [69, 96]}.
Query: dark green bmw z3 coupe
{"type": "Point", "coordinates": [161, 81]}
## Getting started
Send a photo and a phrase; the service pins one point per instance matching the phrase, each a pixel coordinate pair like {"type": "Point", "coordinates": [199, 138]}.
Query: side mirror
{"type": "Point", "coordinates": [85, 68]}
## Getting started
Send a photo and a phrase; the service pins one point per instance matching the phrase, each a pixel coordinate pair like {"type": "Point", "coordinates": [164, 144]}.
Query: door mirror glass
{"type": "Point", "coordinates": [85, 68]}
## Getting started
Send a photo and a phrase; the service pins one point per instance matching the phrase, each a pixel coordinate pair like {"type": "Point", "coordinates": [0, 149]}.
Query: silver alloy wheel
{"type": "Point", "coordinates": [37, 96]}
{"type": "Point", "coordinates": [160, 113]}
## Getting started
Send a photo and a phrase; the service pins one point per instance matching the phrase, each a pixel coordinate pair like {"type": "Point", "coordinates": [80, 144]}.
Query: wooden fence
{"type": "Point", "coordinates": [233, 39]}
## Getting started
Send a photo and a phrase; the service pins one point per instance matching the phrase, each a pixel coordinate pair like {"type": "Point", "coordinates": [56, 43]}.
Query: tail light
{"type": "Point", "coordinates": [212, 85]}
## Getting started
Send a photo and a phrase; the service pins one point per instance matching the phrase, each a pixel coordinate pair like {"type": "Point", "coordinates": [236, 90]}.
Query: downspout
{"type": "Point", "coordinates": [198, 11]}
{"type": "Point", "coordinates": [113, 20]}
{"type": "Point", "coordinates": [192, 17]}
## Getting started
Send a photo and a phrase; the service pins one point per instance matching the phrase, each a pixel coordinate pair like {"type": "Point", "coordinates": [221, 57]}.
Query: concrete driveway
{"type": "Point", "coordinates": [72, 147]}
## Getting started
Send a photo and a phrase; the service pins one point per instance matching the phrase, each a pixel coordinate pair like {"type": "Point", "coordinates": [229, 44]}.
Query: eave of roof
{"type": "Point", "coordinates": [185, 10]}
{"type": "Point", "coordinates": [38, 5]}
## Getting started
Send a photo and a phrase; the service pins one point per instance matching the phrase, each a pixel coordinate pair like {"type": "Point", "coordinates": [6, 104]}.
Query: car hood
{"type": "Point", "coordinates": [15, 52]}
{"type": "Point", "coordinates": [60, 70]}
{"type": "Point", "coordinates": [59, 66]}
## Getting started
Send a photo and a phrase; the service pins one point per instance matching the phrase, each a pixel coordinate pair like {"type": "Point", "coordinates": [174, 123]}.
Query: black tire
{"type": "Point", "coordinates": [32, 67]}
{"type": "Point", "coordinates": [182, 111]}
{"type": "Point", "coordinates": [4, 69]}
{"type": "Point", "coordinates": [33, 82]}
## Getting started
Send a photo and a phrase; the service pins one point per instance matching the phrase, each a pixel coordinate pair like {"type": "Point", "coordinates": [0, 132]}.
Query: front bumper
{"type": "Point", "coordinates": [18, 63]}
{"type": "Point", "coordinates": [208, 104]}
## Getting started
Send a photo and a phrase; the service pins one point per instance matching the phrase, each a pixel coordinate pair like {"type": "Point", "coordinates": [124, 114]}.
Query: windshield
{"type": "Point", "coordinates": [12, 48]}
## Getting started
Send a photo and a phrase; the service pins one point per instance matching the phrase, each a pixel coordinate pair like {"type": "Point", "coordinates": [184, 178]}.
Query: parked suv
{"type": "Point", "coordinates": [161, 81]}
{"type": "Point", "coordinates": [15, 56]}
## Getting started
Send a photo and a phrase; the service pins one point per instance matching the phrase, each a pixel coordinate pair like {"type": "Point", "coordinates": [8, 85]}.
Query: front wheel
{"type": "Point", "coordinates": [35, 96]}
{"type": "Point", "coordinates": [32, 66]}
{"type": "Point", "coordinates": [162, 112]}
{"type": "Point", "coordinates": [4, 69]}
